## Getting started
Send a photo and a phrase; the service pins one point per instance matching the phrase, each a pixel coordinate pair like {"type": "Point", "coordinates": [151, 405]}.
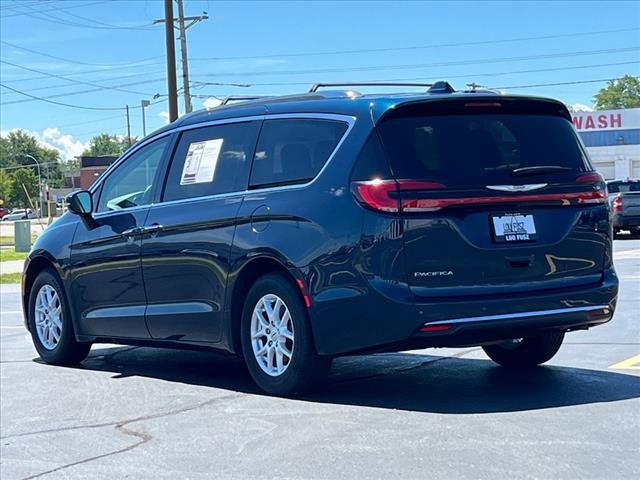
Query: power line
{"type": "Point", "coordinates": [61, 21]}
{"type": "Point", "coordinates": [135, 63]}
{"type": "Point", "coordinates": [447, 76]}
{"type": "Point", "coordinates": [59, 103]}
{"type": "Point", "coordinates": [577, 82]}
{"type": "Point", "coordinates": [54, 9]}
{"type": "Point", "coordinates": [53, 75]}
{"type": "Point", "coordinates": [418, 47]}
{"type": "Point", "coordinates": [429, 65]}
{"type": "Point", "coordinates": [91, 90]}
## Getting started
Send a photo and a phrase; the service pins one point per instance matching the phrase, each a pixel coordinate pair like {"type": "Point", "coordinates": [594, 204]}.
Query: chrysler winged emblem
{"type": "Point", "coordinates": [517, 188]}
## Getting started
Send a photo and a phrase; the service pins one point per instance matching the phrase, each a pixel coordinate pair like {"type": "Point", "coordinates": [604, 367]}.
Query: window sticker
{"type": "Point", "coordinates": [201, 161]}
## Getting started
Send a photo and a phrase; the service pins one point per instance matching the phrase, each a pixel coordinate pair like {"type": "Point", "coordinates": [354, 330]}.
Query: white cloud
{"type": "Point", "coordinates": [580, 107]}
{"type": "Point", "coordinates": [211, 102]}
{"type": "Point", "coordinates": [164, 116]}
{"type": "Point", "coordinates": [68, 146]}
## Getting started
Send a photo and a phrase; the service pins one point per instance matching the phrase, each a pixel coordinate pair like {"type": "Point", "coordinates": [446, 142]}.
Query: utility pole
{"type": "Point", "coordinates": [128, 128]}
{"type": "Point", "coordinates": [144, 104]}
{"type": "Point", "coordinates": [182, 28]}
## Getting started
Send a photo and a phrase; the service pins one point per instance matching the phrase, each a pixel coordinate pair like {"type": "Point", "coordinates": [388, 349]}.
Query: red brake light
{"type": "Point", "coordinates": [436, 328]}
{"type": "Point", "coordinates": [376, 193]}
{"type": "Point", "coordinates": [617, 204]}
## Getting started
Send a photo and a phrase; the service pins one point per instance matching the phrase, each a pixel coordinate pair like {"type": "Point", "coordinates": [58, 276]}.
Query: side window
{"type": "Point", "coordinates": [212, 160]}
{"type": "Point", "coordinates": [293, 151]}
{"type": "Point", "coordinates": [132, 183]}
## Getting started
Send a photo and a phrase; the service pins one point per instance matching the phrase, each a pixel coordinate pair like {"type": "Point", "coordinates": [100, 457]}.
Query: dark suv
{"type": "Point", "coordinates": [290, 230]}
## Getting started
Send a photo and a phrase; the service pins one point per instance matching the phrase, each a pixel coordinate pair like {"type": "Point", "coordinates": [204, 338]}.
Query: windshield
{"type": "Point", "coordinates": [460, 150]}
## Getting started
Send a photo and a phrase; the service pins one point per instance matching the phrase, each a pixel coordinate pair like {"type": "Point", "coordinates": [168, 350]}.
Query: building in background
{"type": "Point", "coordinates": [91, 168]}
{"type": "Point", "coordinates": [612, 138]}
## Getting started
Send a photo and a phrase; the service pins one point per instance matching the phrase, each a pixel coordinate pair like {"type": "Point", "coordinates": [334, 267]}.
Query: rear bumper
{"type": "Point", "coordinates": [623, 221]}
{"type": "Point", "coordinates": [373, 321]}
{"type": "Point", "coordinates": [476, 330]}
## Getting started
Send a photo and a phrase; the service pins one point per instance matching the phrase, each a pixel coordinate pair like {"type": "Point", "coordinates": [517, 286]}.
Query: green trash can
{"type": "Point", "coordinates": [22, 229]}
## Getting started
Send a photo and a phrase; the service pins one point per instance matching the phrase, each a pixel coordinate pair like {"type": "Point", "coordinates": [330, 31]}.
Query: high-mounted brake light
{"type": "Point", "coordinates": [483, 104]}
{"type": "Point", "coordinates": [436, 328]}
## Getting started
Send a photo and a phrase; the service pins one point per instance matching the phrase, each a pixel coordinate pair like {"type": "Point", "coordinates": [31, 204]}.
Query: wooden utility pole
{"type": "Point", "coordinates": [171, 59]}
{"type": "Point", "coordinates": [182, 28]}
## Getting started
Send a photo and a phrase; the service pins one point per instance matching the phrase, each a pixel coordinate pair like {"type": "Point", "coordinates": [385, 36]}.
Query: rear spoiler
{"type": "Point", "coordinates": [476, 103]}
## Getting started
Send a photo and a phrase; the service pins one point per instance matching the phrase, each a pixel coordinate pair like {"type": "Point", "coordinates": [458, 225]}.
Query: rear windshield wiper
{"type": "Point", "coordinates": [538, 170]}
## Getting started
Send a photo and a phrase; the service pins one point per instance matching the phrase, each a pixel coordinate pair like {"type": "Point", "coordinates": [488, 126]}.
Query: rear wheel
{"type": "Point", "coordinates": [527, 351]}
{"type": "Point", "coordinates": [50, 322]}
{"type": "Point", "coordinates": [276, 338]}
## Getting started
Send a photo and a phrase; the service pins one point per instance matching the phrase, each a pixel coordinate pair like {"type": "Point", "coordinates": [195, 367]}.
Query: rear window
{"type": "Point", "coordinates": [293, 151]}
{"type": "Point", "coordinates": [460, 150]}
{"type": "Point", "coordinates": [617, 187]}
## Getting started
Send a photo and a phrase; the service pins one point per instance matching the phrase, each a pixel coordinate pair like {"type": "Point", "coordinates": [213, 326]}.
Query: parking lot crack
{"type": "Point", "coordinates": [121, 426]}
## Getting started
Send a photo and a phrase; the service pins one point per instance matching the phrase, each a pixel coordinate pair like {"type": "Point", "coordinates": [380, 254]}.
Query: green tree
{"type": "Point", "coordinates": [621, 93]}
{"type": "Point", "coordinates": [5, 188]}
{"type": "Point", "coordinates": [24, 179]}
{"type": "Point", "coordinates": [105, 144]}
{"type": "Point", "coordinates": [17, 145]}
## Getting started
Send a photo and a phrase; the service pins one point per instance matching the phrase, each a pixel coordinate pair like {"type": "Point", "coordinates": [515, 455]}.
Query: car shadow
{"type": "Point", "coordinates": [402, 381]}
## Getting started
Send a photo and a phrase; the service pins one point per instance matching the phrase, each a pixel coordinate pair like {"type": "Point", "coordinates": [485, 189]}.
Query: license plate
{"type": "Point", "coordinates": [513, 227]}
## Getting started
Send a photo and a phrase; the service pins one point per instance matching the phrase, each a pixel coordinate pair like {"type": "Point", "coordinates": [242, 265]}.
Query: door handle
{"type": "Point", "coordinates": [132, 232]}
{"type": "Point", "coordinates": [151, 229]}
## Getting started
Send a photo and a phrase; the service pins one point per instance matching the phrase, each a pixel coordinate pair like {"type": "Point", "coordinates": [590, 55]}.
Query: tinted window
{"type": "Point", "coordinates": [480, 149]}
{"type": "Point", "coordinates": [294, 150]}
{"type": "Point", "coordinates": [132, 183]}
{"type": "Point", "coordinates": [616, 187]}
{"type": "Point", "coordinates": [212, 160]}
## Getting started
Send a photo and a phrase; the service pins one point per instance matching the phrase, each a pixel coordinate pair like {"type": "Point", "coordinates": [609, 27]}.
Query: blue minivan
{"type": "Point", "coordinates": [290, 230]}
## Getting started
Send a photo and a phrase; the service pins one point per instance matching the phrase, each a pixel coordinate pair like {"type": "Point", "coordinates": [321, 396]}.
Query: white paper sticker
{"type": "Point", "coordinates": [201, 161]}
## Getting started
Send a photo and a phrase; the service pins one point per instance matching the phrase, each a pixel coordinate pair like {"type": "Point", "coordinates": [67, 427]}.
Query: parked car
{"type": "Point", "coordinates": [614, 187]}
{"type": "Point", "coordinates": [3, 212]}
{"type": "Point", "coordinates": [626, 212]}
{"type": "Point", "coordinates": [19, 214]}
{"type": "Point", "coordinates": [292, 230]}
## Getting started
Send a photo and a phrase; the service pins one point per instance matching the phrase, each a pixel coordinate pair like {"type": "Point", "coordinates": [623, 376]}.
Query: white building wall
{"type": "Point", "coordinates": [623, 158]}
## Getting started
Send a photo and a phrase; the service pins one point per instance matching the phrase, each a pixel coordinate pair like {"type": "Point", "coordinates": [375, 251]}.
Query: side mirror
{"type": "Point", "coordinates": [80, 203]}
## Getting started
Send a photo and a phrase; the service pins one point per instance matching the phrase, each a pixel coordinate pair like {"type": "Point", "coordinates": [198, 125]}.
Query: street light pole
{"type": "Point", "coordinates": [143, 105]}
{"type": "Point", "coordinates": [40, 193]}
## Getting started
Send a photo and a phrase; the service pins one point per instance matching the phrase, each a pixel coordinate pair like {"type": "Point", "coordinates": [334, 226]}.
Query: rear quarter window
{"type": "Point", "coordinates": [294, 151]}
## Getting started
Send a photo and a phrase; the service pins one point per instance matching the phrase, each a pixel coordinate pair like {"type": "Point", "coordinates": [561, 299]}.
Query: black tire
{"type": "Point", "coordinates": [68, 350]}
{"type": "Point", "coordinates": [528, 352]}
{"type": "Point", "coordinates": [306, 367]}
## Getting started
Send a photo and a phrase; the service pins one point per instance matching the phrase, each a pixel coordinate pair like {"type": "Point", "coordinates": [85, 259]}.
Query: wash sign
{"type": "Point", "coordinates": [624, 119]}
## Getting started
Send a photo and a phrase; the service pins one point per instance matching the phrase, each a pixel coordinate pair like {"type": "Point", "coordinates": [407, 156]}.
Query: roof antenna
{"type": "Point", "coordinates": [473, 86]}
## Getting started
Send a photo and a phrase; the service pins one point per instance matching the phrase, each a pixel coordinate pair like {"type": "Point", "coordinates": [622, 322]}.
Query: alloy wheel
{"type": "Point", "coordinates": [48, 317]}
{"type": "Point", "coordinates": [272, 335]}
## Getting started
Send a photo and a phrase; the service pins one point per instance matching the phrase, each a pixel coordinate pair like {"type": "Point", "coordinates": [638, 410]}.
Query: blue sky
{"type": "Point", "coordinates": [67, 47]}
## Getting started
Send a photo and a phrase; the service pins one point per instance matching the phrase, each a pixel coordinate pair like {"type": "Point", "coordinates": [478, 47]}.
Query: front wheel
{"type": "Point", "coordinates": [527, 351]}
{"type": "Point", "coordinates": [276, 338]}
{"type": "Point", "coordinates": [50, 322]}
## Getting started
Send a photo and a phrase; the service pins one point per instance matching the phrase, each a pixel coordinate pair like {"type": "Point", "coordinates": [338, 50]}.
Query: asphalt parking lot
{"type": "Point", "coordinates": [151, 413]}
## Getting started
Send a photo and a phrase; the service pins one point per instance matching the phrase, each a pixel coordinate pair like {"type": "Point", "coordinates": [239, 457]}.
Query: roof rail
{"type": "Point", "coordinates": [314, 88]}
{"type": "Point", "coordinates": [441, 87]}
{"type": "Point", "coordinates": [240, 98]}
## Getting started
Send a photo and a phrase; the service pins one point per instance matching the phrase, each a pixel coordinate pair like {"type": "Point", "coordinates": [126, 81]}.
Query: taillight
{"type": "Point", "coordinates": [383, 195]}
{"type": "Point", "coordinates": [414, 196]}
{"type": "Point", "coordinates": [617, 204]}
